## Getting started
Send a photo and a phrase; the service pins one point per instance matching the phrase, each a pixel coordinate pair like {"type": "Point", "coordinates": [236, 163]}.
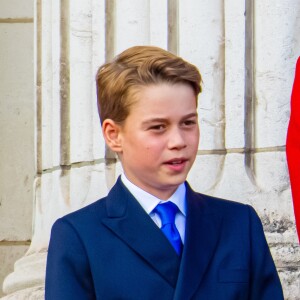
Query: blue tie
{"type": "Point", "coordinates": [167, 212]}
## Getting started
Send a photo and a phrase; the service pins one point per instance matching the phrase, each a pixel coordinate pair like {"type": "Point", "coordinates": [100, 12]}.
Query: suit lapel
{"type": "Point", "coordinates": [202, 233]}
{"type": "Point", "coordinates": [127, 219]}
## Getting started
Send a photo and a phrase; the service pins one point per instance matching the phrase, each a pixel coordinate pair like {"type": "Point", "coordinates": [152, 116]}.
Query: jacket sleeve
{"type": "Point", "coordinates": [68, 273]}
{"type": "Point", "coordinates": [264, 282]}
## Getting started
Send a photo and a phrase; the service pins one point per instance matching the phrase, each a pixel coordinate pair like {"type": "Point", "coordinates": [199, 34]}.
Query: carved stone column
{"type": "Point", "coordinates": [70, 163]}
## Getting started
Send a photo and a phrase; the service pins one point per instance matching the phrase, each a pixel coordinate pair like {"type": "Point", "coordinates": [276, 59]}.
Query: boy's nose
{"type": "Point", "coordinates": [176, 139]}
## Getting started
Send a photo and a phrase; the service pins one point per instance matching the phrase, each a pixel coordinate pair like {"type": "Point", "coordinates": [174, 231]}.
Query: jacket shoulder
{"type": "Point", "coordinates": [90, 213]}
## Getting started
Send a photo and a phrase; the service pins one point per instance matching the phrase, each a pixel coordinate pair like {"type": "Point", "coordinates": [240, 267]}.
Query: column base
{"type": "Point", "coordinates": [28, 279]}
{"type": "Point", "coordinates": [35, 293]}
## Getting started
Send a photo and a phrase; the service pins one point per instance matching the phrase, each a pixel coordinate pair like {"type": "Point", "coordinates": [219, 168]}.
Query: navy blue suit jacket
{"type": "Point", "coordinates": [112, 249]}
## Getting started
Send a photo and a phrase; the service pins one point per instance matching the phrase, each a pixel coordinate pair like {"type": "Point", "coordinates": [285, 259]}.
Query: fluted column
{"type": "Point", "coordinates": [70, 163]}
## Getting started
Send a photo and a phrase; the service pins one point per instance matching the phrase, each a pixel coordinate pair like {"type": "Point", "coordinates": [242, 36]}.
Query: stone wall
{"type": "Point", "coordinates": [17, 114]}
{"type": "Point", "coordinates": [246, 53]}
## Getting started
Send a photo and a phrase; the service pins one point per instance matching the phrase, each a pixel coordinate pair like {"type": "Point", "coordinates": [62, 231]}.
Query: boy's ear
{"type": "Point", "coordinates": [111, 133]}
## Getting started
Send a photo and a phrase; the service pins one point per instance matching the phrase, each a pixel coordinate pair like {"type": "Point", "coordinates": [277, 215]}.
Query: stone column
{"type": "Point", "coordinates": [70, 163]}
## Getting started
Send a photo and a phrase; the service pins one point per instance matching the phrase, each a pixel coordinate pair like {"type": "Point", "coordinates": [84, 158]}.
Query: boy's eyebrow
{"type": "Point", "coordinates": [158, 120]}
{"type": "Point", "coordinates": [191, 115]}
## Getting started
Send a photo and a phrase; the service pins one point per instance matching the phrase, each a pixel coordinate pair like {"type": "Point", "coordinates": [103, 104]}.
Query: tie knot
{"type": "Point", "coordinates": [167, 212]}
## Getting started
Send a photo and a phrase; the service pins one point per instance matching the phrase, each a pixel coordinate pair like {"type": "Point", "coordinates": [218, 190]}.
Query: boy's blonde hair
{"type": "Point", "coordinates": [136, 67]}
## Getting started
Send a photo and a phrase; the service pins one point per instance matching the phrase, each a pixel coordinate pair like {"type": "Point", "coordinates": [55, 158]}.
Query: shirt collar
{"type": "Point", "coordinates": [149, 202]}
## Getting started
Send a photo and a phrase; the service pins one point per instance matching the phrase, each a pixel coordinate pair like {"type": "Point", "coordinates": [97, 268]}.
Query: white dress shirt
{"type": "Point", "coordinates": [149, 202]}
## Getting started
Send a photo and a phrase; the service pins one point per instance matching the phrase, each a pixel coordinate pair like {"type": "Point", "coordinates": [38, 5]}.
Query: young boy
{"type": "Point", "coordinates": [153, 237]}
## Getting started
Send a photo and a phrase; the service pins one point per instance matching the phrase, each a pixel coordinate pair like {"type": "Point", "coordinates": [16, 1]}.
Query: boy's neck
{"type": "Point", "coordinates": [163, 194]}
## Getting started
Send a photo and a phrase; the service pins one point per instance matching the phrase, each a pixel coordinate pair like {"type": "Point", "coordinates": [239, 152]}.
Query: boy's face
{"type": "Point", "coordinates": [158, 142]}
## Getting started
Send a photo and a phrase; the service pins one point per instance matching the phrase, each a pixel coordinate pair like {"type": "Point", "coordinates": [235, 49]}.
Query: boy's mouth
{"type": "Point", "coordinates": [176, 161]}
{"type": "Point", "coordinates": [176, 165]}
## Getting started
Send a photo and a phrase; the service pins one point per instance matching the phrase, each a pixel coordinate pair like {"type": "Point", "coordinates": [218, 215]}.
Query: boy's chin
{"type": "Point", "coordinates": [174, 183]}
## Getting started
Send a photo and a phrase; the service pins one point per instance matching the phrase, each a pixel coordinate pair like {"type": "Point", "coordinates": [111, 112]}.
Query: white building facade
{"type": "Point", "coordinates": [53, 157]}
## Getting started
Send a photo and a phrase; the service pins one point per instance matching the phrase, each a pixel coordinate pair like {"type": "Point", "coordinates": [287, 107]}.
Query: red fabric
{"type": "Point", "coordinates": [293, 146]}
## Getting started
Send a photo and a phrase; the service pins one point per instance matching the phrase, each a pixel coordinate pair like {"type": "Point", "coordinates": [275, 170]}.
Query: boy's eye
{"type": "Point", "coordinates": [189, 122]}
{"type": "Point", "coordinates": [158, 127]}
